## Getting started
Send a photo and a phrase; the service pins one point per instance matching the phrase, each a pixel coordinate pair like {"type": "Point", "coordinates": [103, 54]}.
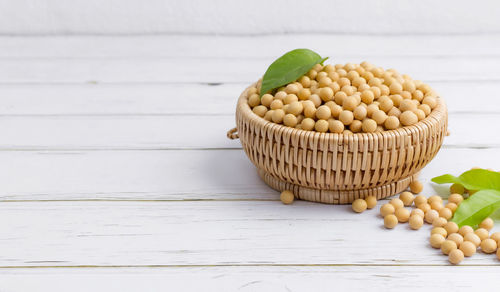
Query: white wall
{"type": "Point", "coordinates": [248, 17]}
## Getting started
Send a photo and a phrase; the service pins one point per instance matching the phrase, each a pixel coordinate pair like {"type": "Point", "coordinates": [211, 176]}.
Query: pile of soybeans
{"type": "Point", "coordinates": [446, 235]}
{"type": "Point", "coordinates": [453, 241]}
{"type": "Point", "coordinates": [350, 98]}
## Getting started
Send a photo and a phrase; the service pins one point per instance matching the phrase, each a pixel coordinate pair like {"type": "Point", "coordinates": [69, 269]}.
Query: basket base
{"type": "Point", "coordinates": [336, 197]}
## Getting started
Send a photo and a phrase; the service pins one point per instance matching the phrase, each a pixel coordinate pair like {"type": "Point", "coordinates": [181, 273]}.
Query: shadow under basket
{"type": "Point", "coordinates": [338, 168]}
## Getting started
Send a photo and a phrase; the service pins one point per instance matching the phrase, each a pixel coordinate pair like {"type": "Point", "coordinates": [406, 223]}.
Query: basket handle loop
{"type": "Point", "coordinates": [233, 134]}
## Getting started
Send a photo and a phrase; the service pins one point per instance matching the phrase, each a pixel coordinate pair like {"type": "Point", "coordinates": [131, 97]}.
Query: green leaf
{"type": "Point", "coordinates": [496, 215]}
{"type": "Point", "coordinates": [289, 68]}
{"type": "Point", "coordinates": [477, 207]}
{"type": "Point", "coordinates": [475, 179]}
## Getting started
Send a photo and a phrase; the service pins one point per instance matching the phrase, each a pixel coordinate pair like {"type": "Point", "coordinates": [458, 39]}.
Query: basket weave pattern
{"type": "Point", "coordinates": [337, 168]}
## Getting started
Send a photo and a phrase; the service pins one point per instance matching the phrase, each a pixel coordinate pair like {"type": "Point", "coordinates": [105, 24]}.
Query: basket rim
{"type": "Point", "coordinates": [434, 117]}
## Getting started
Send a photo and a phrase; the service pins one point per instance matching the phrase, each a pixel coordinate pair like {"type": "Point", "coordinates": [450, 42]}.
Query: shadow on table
{"type": "Point", "coordinates": [230, 171]}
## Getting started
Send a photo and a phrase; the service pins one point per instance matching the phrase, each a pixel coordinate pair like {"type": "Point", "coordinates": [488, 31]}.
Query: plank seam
{"type": "Point", "coordinates": [233, 34]}
{"type": "Point", "coordinates": [95, 82]}
{"type": "Point", "coordinates": [184, 114]}
{"type": "Point", "coordinates": [240, 265]}
{"type": "Point", "coordinates": [237, 148]}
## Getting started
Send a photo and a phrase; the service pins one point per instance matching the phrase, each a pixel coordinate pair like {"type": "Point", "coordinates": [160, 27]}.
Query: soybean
{"type": "Point", "coordinates": [359, 205]}
{"type": "Point", "coordinates": [287, 197]}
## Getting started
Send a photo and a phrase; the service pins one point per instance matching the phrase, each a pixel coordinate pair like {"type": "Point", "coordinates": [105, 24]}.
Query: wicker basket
{"type": "Point", "coordinates": [336, 168]}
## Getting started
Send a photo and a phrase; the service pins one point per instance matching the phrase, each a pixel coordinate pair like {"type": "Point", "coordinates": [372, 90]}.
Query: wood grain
{"type": "Point", "coordinates": [208, 233]}
{"type": "Point", "coordinates": [229, 47]}
{"type": "Point", "coordinates": [196, 99]}
{"type": "Point", "coordinates": [253, 278]}
{"type": "Point", "coordinates": [116, 173]}
{"type": "Point", "coordinates": [169, 132]}
{"type": "Point", "coordinates": [193, 70]}
{"type": "Point", "coordinates": [162, 175]}
{"type": "Point", "coordinates": [247, 17]}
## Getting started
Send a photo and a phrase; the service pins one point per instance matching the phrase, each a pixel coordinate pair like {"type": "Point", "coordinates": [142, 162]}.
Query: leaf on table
{"type": "Point", "coordinates": [288, 68]}
{"type": "Point", "coordinates": [477, 207]}
{"type": "Point", "coordinates": [475, 179]}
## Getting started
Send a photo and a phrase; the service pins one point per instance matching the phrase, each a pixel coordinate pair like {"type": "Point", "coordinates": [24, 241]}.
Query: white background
{"type": "Point", "coordinates": [258, 17]}
{"type": "Point", "coordinates": [116, 175]}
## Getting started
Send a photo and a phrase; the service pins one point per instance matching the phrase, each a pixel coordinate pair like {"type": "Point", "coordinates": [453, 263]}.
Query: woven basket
{"type": "Point", "coordinates": [337, 168]}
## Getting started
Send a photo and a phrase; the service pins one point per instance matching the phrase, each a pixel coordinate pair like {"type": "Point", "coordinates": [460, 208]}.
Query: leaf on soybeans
{"type": "Point", "coordinates": [289, 68]}
{"type": "Point", "coordinates": [477, 207]}
{"type": "Point", "coordinates": [475, 179]}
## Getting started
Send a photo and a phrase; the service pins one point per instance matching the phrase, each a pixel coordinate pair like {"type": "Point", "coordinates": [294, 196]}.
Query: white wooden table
{"type": "Point", "coordinates": [116, 174]}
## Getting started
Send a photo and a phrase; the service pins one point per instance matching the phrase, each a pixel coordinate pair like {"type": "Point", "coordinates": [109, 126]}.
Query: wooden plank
{"type": "Point", "coordinates": [177, 132]}
{"type": "Point", "coordinates": [170, 175]}
{"type": "Point", "coordinates": [282, 278]}
{"type": "Point", "coordinates": [106, 99]}
{"type": "Point", "coordinates": [196, 70]}
{"type": "Point", "coordinates": [162, 99]}
{"type": "Point", "coordinates": [255, 17]}
{"type": "Point", "coordinates": [208, 233]}
{"type": "Point", "coordinates": [230, 47]}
